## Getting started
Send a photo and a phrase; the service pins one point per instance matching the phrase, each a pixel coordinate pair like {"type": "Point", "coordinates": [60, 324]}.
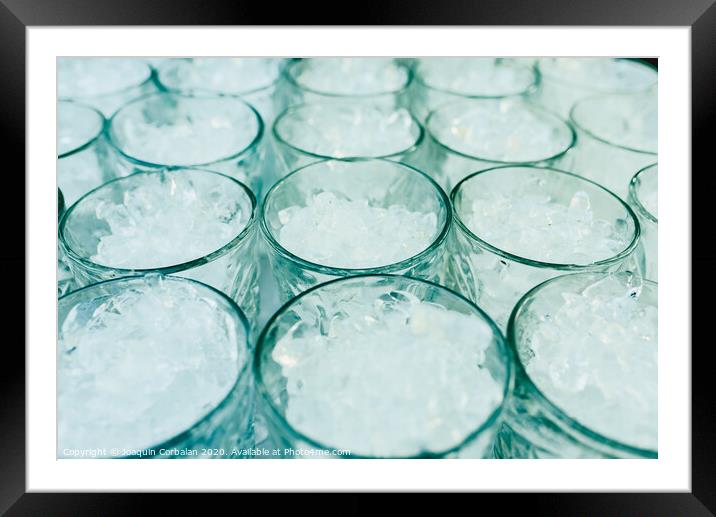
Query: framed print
{"type": "Point", "coordinates": [426, 242]}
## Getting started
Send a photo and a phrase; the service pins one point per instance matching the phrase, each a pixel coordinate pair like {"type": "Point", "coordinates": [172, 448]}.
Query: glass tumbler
{"type": "Point", "coordinates": [369, 80]}
{"type": "Point", "coordinates": [643, 198]}
{"type": "Point", "coordinates": [516, 227]}
{"type": "Point", "coordinates": [82, 162]}
{"type": "Point", "coordinates": [382, 366]}
{"type": "Point", "coordinates": [312, 132]}
{"type": "Point", "coordinates": [252, 78]}
{"type": "Point", "coordinates": [152, 367]}
{"type": "Point", "coordinates": [442, 80]}
{"type": "Point", "coordinates": [616, 135]}
{"type": "Point", "coordinates": [468, 136]}
{"type": "Point", "coordinates": [345, 217]}
{"type": "Point", "coordinates": [191, 223]}
{"type": "Point", "coordinates": [105, 83]}
{"type": "Point", "coordinates": [567, 80]}
{"type": "Point", "coordinates": [218, 132]}
{"type": "Point", "coordinates": [586, 370]}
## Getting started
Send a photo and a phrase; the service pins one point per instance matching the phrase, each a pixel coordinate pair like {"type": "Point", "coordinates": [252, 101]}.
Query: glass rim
{"type": "Point", "coordinates": [532, 107]}
{"type": "Point", "coordinates": [253, 144]}
{"type": "Point", "coordinates": [533, 84]}
{"type": "Point", "coordinates": [164, 86]}
{"type": "Point", "coordinates": [288, 72]}
{"type": "Point", "coordinates": [164, 270]}
{"type": "Point", "coordinates": [331, 105]}
{"type": "Point", "coordinates": [497, 335]}
{"type": "Point", "coordinates": [591, 134]}
{"type": "Point", "coordinates": [340, 271]}
{"type": "Point", "coordinates": [596, 265]}
{"type": "Point", "coordinates": [148, 79]}
{"type": "Point", "coordinates": [60, 204]}
{"type": "Point", "coordinates": [589, 87]}
{"type": "Point", "coordinates": [634, 194]}
{"type": "Point", "coordinates": [91, 140]}
{"type": "Point", "coordinates": [544, 402]}
{"type": "Point", "coordinates": [231, 308]}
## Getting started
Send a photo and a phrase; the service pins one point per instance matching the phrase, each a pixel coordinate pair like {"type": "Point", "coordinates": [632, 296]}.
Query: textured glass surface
{"type": "Point", "coordinates": [467, 136]}
{"type": "Point", "coordinates": [221, 133]}
{"type": "Point", "coordinates": [442, 80]}
{"type": "Point", "coordinates": [534, 426]}
{"type": "Point", "coordinates": [232, 267]}
{"type": "Point", "coordinates": [103, 83]}
{"type": "Point", "coordinates": [382, 298]}
{"type": "Point", "coordinates": [378, 184]}
{"type": "Point", "coordinates": [496, 279]}
{"type": "Point", "coordinates": [90, 364]}
{"type": "Point", "coordinates": [643, 193]}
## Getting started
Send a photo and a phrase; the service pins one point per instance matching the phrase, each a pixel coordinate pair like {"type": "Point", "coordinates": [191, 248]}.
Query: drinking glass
{"type": "Point", "coordinates": [356, 234]}
{"type": "Point", "coordinates": [105, 83]}
{"type": "Point", "coordinates": [382, 366]}
{"type": "Point", "coordinates": [191, 223]}
{"type": "Point", "coordinates": [152, 367]}
{"type": "Point", "coordinates": [537, 236]}
{"type": "Point", "coordinates": [580, 408]}
{"type": "Point", "coordinates": [442, 80]}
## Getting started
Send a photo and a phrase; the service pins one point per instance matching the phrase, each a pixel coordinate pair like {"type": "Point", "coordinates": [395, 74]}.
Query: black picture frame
{"type": "Point", "coordinates": [17, 15]}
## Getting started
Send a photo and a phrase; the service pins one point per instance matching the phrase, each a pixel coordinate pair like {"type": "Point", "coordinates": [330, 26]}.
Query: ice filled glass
{"type": "Point", "coordinates": [382, 366]}
{"type": "Point", "coordinates": [369, 80]}
{"type": "Point", "coordinates": [190, 223]}
{"type": "Point", "coordinates": [254, 79]}
{"type": "Point", "coordinates": [337, 218]}
{"type": "Point", "coordinates": [586, 381]}
{"type": "Point", "coordinates": [617, 135]}
{"type": "Point", "coordinates": [82, 162]}
{"type": "Point", "coordinates": [217, 132]}
{"type": "Point", "coordinates": [152, 367]}
{"type": "Point", "coordinates": [312, 132]}
{"type": "Point", "coordinates": [516, 227]}
{"type": "Point", "coordinates": [567, 80]}
{"type": "Point", "coordinates": [468, 136]}
{"type": "Point", "coordinates": [105, 83]}
{"type": "Point", "coordinates": [442, 80]}
{"type": "Point", "coordinates": [643, 198]}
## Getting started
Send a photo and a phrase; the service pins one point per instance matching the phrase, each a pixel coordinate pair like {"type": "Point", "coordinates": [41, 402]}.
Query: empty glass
{"type": "Point", "coordinates": [105, 83]}
{"type": "Point", "coordinates": [337, 218]}
{"type": "Point", "coordinates": [567, 80]}
{"type": "Point", "coordinates": [312, 132]}
{"type": "Point", "coordinates": [468, 136]}
{"type": "Point", "coordinates": [643, 198]}
{"type": "Point", "coordinates": [586, 379]}
{"type": "Point", "coordinates": [220, 133]}
{"type": "Point", "coordinates": [442, 80]}
{"type": "Point", "coordinates": [152, 367]}
{"type": "Point", "coordinates": [191, 223]}
{"type": "Point", "coordinates": [382, 366]}
{"type": "Point", "coordinates": [516, 227]}
{"type": "Point", "coordinates": [617, 135]}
